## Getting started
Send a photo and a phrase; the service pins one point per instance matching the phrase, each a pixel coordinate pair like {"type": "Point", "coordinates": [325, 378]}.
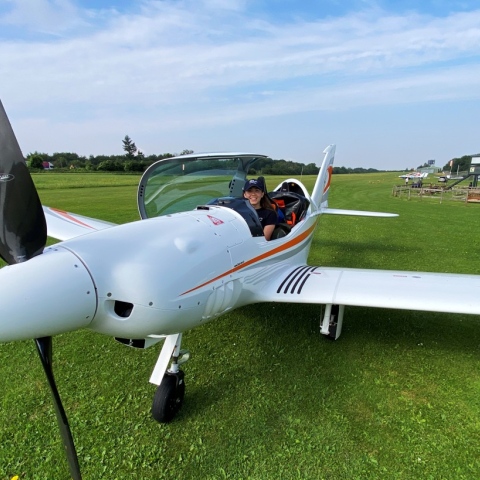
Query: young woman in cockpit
{"type": "Point", "coordinates": [254, 192]}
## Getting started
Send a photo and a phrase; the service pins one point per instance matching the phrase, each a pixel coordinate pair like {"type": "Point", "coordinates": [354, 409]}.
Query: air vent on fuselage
{"type": "Point", "coordinates": [123, 309]}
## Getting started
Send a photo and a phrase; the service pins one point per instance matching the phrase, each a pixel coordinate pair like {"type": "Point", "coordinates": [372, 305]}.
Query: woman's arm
{"type": "Point", "coordinates": [267, 231]}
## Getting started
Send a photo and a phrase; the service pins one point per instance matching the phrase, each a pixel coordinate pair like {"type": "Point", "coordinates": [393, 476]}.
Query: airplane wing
{"type": "Point", "coordinates": [64, 225]}
{"type": "Point", "coordinates": [433, 292]}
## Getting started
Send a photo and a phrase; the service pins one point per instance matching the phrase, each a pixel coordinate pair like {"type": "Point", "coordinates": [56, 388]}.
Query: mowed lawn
{"type": "Point", "coordinates": [268, 397]}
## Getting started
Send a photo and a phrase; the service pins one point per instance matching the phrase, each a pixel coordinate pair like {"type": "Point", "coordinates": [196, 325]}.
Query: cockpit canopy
{"type": "Point", "coordinates": [182, 183]}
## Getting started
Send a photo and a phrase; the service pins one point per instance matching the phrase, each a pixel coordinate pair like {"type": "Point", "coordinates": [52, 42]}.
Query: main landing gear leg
{"type": "Point", "coordinates": [168, 398]}
{"type": "Point", "coordinates": [331, 325]}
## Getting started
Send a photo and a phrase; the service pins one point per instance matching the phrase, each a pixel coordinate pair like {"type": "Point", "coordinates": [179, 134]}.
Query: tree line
{"type": "Point", "coordinates": [134, 160]}
{"type": "Point", "coordinates": [460, 164]}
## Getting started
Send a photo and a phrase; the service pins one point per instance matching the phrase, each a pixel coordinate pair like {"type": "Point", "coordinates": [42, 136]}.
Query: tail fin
{"type": "Point", "coordinates": [322, 188]}
{"type": "Point", "coordinates": [322, 185]}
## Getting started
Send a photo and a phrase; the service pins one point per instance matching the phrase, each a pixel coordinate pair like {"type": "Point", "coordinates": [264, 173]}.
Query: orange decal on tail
{"type": "Point", "coordinates": [327, 185]}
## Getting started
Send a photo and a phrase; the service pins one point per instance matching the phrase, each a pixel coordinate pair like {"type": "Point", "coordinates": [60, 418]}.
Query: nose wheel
{"type": "Point", "coordinates": [168, 398]}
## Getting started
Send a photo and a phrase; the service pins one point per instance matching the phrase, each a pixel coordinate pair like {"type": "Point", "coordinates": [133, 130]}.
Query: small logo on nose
{"type": "Point", "coordinates": [6, 177]}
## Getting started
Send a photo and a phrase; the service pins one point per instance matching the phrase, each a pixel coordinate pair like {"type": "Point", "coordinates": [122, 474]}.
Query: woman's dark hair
{"type": "Point", "coordinates": [266, 203]}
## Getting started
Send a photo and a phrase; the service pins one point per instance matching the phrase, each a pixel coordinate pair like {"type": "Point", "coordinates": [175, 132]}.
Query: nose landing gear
{"type": "Point", "coordinates": [168, 398]}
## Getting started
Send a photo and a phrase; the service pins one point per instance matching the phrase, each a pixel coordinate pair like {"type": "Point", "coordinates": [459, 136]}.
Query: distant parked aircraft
{"type": "Point", "coordinates": [414, 175]}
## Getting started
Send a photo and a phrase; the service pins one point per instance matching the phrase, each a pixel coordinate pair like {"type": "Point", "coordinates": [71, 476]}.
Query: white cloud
{"type": "Point", "coordinates": [159, 54]}
{"type": "Point", "coordinates": [47, 16]}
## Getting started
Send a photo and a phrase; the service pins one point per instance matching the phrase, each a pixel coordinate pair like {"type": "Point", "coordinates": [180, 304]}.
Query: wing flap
{"type": "Point", "coordinates": [434, 292]}
{"type": "Point", "coordinates": [64, 225]}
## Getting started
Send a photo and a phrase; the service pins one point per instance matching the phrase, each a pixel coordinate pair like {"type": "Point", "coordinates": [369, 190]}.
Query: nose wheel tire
{"type": "Point", "coordinates": [168, 398]}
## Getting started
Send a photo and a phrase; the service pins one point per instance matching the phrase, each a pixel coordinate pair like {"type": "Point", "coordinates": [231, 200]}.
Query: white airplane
{"type": "Point", "coordinates": [197, 253]}
{"type": "Point", "coordinates": [414, 175]}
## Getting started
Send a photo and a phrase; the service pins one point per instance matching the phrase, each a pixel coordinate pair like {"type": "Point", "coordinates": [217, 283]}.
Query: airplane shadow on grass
{"type": "Point", "coordinates": [277, 345]}
{"type": "Point", "coordinates": [358, 254]}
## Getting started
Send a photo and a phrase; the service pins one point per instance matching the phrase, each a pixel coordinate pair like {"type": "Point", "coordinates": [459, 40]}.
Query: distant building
{"type": "Point", "coordinates": [475, 166]}
{"type": "Point", "coordinates": [47, 166]}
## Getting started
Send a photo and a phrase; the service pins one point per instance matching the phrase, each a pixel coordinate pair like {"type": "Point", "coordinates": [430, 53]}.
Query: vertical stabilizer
{"type": "Point", "coordinates": [322, 185]}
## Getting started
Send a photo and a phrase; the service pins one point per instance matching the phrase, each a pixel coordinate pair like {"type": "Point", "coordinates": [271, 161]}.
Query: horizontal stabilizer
{"type": "Point", "coordinates": [358, 213]}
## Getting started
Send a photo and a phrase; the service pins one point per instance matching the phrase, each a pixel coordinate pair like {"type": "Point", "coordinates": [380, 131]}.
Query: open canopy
{"type": "Point", "coordinates": [182, 183]}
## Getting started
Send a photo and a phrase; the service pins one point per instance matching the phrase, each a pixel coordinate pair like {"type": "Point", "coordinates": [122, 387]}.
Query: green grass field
{"type": "Point", "coordinates": [268, 397]}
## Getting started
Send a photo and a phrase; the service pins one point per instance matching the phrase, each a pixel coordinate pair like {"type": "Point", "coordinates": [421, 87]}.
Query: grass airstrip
{"type": "Point", "coordinates": [397, 396]}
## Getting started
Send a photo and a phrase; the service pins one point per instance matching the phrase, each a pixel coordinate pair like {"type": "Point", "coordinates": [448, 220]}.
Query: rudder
{"type": "Point", "coordinates": [322, 185]}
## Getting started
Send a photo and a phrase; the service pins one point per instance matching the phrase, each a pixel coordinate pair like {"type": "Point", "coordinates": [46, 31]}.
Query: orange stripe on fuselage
{"type": "Point", "coordinates": [281, 248]}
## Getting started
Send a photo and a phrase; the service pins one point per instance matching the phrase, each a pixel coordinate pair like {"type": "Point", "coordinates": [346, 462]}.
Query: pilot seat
{"type": "Point", "coordinates": [291, 205]}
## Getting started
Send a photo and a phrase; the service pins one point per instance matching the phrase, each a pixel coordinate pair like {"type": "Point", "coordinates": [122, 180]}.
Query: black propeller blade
{"type": "Point", "coordinates": [23, 230]}
{"type": "Point", "coordinates": [23, 235]}
{"type": "Point", "coordinates": [44, 347]}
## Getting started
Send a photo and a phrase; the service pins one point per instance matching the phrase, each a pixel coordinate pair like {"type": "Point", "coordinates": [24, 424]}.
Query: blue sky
{"type": "Point", "coordinates": [393, 84]}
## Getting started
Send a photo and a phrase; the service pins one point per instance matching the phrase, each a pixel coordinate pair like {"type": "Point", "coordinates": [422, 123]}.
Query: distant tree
{"type": "Point", "coordinates": [134, 160]}
{"type": "Point", "coordinates": [60, 162]}
{"type": "Point", "coordinates": [79, 163]}
{"type": "Point", "coordinates": [423, 166]}
{"type": "Point", "coordinates": [129, 147]}
{"type": "Point", "coordinates": [460, 164]}
{"type": "Point", "coordinates": [67, 156]}
{"type": "Point", "coordinates": [134, 166]}
{"type": "Point", "coordinates": [342, 170]}
{"type": "Point", "coordinates": [110, 166]}
{"type": "Point", "coordinates": [44, 156]}
{"type": "Point", "coordinates": [90, 166]}
{"type": "Point", "coordinates": [35, 162]}
{"type": "Point", "coordinates": [102, 158]}
{"type": "Point", "coordinates": [310, 169]}
{"type": "Point", "coordinates": [153, 158]}
{"type": "Point", "coordinates": [264, 166]}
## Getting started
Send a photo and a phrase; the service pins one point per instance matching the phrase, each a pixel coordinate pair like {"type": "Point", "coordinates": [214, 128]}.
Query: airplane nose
{"type": "Point", "coordinates": [50, 294]}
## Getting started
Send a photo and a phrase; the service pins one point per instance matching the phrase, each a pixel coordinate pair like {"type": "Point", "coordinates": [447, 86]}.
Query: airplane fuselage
{"type": "Point", "coordinates": [152, 277]}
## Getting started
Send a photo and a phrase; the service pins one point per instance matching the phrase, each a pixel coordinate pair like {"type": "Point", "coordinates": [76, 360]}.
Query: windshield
{"type": "Point", "coordinates": [182, 183]}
